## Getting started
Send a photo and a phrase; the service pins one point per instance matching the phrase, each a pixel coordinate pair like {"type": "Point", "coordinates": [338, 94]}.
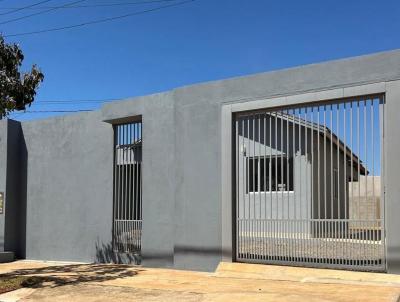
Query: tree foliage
{"type": "Point", "coordinates": [17, 89]}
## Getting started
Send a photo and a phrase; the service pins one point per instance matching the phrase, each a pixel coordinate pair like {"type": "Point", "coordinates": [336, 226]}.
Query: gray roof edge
{"type": "Point", "coordinates": [368, 60]}
{"type": "Point", "coordinates": [382, 55]}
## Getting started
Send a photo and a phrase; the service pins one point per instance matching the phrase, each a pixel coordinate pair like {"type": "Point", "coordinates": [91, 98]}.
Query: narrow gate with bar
{"type": "Point", "coordinates": [309, 185]}
{"type": "Point", "coordinates": [127, 205]}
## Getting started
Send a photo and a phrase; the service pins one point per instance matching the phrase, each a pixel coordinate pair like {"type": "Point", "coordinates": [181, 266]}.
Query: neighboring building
{"type": "Point", "coordinates": [294, 167]}
{"type": "Point", "coordinates": [365, 202]}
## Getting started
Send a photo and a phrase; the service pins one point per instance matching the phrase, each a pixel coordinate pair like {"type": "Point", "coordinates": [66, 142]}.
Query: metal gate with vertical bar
{"type": "Point", "coordinates": [127, 205]}
{"type": "Point", "coordinates": [309, 185]}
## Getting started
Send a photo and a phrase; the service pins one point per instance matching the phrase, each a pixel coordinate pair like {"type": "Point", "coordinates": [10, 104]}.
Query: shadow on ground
{"type": "Point", "coordinates": [54, 276]}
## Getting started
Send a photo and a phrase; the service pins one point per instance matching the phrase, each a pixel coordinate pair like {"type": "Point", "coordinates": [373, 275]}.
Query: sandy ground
{"type": "Point", "coordinates": [230, 282]}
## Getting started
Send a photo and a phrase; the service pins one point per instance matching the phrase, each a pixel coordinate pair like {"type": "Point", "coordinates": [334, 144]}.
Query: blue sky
{"type": "Point", "coordinates": [199, 41]}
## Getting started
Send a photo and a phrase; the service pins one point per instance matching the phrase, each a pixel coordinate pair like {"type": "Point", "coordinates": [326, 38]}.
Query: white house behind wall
{"type": "Point", "coordinates": [279, 181]}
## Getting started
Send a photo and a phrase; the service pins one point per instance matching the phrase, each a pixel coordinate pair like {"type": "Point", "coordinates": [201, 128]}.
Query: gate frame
{"type": "Point", "coordinates": [115, 123]}
{"type": "Point", "coordinates": [228, 186]}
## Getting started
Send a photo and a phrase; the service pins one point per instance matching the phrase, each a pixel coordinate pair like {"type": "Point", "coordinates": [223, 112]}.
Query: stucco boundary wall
{"type": "Point", "coordinates": [188, 217]}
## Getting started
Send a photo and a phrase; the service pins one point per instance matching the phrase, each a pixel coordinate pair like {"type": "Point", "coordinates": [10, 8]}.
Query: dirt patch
{"type": "Point", "coordinates": [53, 276]}
{"type": "Point", "coordinates": [95, 293]}
{"type": "Point", "coordinates": [11, 283]}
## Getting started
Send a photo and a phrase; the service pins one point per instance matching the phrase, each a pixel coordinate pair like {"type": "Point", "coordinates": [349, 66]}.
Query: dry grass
{"type": "Point", "coordinates": [11, 283]}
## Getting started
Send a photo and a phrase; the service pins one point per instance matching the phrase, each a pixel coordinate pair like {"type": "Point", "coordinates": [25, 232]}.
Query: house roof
{"type": "Point", "coordinates": [328, 134]}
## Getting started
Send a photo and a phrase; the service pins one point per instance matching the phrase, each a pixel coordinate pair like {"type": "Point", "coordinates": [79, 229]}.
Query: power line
{"type": "Point", "coordinates": [43, 12]}
{"type": "Point", "coordinates": [77, 101]}
{"type": "Point", "coordinates": [55, 111]}
{"type": "Point", "coordinates": [96, 5]}
{"type": "Point", "coordinates": [16, 114]}
{"type": "Point", "coordinates": [99, 20]}
{"type": "Point", "coordinates": [61, 102]}
{"type": "Point", "coordinates": [24, 7]}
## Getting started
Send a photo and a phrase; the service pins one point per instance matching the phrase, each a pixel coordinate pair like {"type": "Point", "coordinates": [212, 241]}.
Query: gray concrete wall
{"type": "Point", "coordinates": [181, 210]}
{"type": "Point", "coordinates": [69, 169]}
{"type": "Point", "coordinates": [69, 188]}
{"type": "Point", "coordinates": [160, 210]}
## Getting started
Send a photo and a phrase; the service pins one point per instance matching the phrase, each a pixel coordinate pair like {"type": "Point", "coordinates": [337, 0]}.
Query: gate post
{"type": "Point", "coordinates": [3, 176]}
{"type": "Point", "coordinates": [391, 174]}
{"type": "Point", "coordinates": [13, 157]}
{"type": "Point", "coordinates": [227, 209]}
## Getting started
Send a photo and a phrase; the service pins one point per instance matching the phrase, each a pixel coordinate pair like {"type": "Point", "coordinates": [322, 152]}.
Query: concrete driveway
{"type": "Point", "coordinates": [230, 282]}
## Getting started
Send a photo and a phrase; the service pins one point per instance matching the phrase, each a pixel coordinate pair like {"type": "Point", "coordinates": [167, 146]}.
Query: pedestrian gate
{"type": "Point", "coordinates": [309, 185]}
{"type": "Point", "coordinates": [127, 205]}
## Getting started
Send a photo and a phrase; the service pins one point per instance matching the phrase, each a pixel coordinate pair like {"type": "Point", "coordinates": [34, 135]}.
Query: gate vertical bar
{"type": "Point", "coordinates": [237, 148]}
{"type": "Point", "coordinates": [305, 237]}
{"type": "Point", "coordinates": [300, 178]}
{"type": "Point", "coordinates": [343, 222]}
{"type": "Point", "coordinates": [244, 181]}
{"type": "Point", "coordinates": [312, 181]}
{"type": "Point", "coordinates": [264, 228]}
{"type": "Point", "coordinates": [260, 236]}
{"type": "Point", "coordinates": [272, 235]}
{"type": "Point", "coordinates": [364, 231]}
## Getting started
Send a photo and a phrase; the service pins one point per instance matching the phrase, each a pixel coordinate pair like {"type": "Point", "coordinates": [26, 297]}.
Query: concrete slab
{"type": "Point", "coordinates": [303, 274]}
{"type": "Point", "coordinates": [231, 282]}
{"type": "Point", "coordinates": [217, 288]}
{"type": "Point", "coordinates": [16, 295]}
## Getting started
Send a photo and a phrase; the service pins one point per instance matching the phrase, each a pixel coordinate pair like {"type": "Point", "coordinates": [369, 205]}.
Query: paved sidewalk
{"type": "Point", "coordinates": [231, 282]}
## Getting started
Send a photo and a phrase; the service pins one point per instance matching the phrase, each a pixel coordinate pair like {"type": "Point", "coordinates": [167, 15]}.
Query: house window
{"type": "Point", "coordinates": [269, 174]}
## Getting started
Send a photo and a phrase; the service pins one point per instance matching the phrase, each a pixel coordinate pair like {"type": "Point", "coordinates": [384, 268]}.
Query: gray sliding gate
{"type": "Point", "coordinates": [127, 210]}
{"type": "Point", "coordinates": [309, 189]}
